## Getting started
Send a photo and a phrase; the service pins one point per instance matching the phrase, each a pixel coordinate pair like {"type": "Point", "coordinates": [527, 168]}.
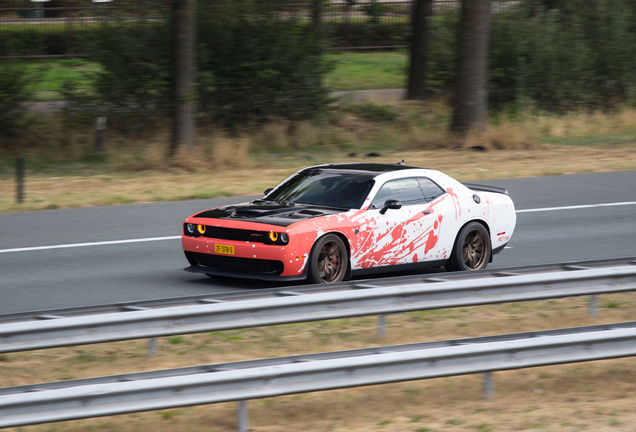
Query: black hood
{"type": "Point", "coordinates": [270, 212]}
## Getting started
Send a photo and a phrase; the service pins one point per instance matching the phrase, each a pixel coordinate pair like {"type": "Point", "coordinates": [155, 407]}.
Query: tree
{"type": "Point", "coordinates": [422, 14]}
{"type": "Point", "coordinates": [471, 93]}
{"type": "Point", "coordinates": [183, 89]}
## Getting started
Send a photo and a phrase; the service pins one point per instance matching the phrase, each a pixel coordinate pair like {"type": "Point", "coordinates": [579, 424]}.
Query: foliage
{"type": "Point", "coordinates": [374, 10]}
{"type": "Point", "coordinates": [14, 94]}
{"type": "Point", "coordinates": [254, 67]}
{"type": "Point", "coordinates": [581, 55]}
{"type": "Point", "coordinates": [132, 87]}
{"type": "Point", "coordinates": [366, 33]}
{"type": "Point", "coordinates": [258, 61]}
{"type": "Point", "coordinates": [442, 60]}
{"type": "Point", "coordinates": [573, 55]}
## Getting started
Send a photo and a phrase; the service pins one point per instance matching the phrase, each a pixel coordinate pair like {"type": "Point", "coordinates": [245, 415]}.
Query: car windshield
{"type": "Point", "coordinates": [324, 187]}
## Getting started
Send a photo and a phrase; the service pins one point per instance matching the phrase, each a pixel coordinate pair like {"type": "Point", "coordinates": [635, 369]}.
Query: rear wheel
{"type": "Point", "coordinates": [328, 260]}
{"type": "Point", "coordinates": [471, 250]}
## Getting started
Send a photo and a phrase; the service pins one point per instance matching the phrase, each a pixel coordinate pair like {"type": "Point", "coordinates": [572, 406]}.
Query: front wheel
{"type": "Point", "coordinates": [328, 260]}
{"type": "Point", "coordinates": [471, 250]}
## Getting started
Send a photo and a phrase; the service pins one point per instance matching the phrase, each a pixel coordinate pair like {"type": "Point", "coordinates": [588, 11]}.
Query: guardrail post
{"type": "Point", "coordinates": [242, 416]}
{"type": "Point", "coordinates": [488, 385]}
{"type": "Point", "coordinates": [593, 305]}
{"type": "Point", "coordinates": [100, 130]}
{"type": "Point", "coordinates": [152, 347]}
{"type": "Point", "coordinates": [19, 196]}
{"type": "Point", "coordinates": [381, 325]}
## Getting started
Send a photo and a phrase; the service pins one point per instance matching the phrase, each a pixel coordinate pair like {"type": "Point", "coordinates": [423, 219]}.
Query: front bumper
{"type": "Point", "coordinates": [253, 260]}
{"type": "Point", "coordinates": [230, 273]}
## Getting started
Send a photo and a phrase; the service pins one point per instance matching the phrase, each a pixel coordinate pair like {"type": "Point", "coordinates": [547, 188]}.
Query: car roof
{"type": "Point", "coordinates": [370, 169]}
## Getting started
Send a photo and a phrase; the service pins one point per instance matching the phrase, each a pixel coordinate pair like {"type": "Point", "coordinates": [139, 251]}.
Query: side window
{"type": "Point", "coordinates": [407, 191]}
{"type": "Point", "coordinates": [430, 188]}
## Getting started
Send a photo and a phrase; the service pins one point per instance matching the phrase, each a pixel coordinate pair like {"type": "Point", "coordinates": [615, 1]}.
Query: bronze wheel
{"type": "Point", "coordinates": [471, 250]}
{"type": "Point", "coordinates": [474, 250]}
{"type": "Point", "coordinates": [328, 260]}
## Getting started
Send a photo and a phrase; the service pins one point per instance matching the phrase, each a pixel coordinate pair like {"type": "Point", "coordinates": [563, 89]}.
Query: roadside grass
{"type": "Point", "coordinates": [48, 78]}
{"type": "Point", "coordinates": [624, 138]}
{"type": "Point", "coordinates": [367, 71]}
{"type": "Point", "coordinates": [595, 396]}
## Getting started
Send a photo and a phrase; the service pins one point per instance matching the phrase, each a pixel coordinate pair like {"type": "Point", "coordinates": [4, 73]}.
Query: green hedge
{"type": "Point", "coordinates": [253, 67]}
{"type": "Point", "coordinates": [13, 95]}
{"type": "Point", "coordinates": [580, 56]}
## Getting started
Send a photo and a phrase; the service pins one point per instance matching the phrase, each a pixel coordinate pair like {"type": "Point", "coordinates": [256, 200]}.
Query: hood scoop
{"type": "Point", "coordinates": [246, 213]}
{"type": "Point", "coordinates": [310, 213]}
{"type": "Point", "coordinates": [282, 214]}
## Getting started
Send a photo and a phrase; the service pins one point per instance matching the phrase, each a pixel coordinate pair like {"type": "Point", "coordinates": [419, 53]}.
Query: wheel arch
{"type": "Point", "coordinates": [485, 225]}
{"type": "Point", "coordinates": [345, 240]}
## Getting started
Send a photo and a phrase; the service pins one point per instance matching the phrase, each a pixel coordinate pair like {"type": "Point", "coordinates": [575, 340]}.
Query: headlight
{"type": "Point", "coordinates": [194, 230]}
{"type": "Point", "coordinates": [277, 238]}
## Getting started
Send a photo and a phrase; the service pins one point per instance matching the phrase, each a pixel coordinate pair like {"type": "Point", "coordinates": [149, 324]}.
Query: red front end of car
{"type": "Point", "coordinates": [243, 249]}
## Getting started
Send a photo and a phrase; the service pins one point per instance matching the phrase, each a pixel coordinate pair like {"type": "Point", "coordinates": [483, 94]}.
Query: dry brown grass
{"type": "Point", "coordinates": [594, 396]}
{"type": "Point", "coordinates": [237, 174]}
{"type": "Point", "coordinates": [136, 170]}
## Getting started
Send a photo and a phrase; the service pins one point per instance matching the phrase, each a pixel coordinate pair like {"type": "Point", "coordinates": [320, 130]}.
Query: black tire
{"type": "Point", "coordinates": [328, 260]}
{"type": "Point", "coordinates": [471, 250]}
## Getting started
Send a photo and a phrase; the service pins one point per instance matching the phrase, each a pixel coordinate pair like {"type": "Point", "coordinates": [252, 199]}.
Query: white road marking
{"type": "Point", "coordinates": [75, 245]}
{"type": "Point", "coordinates": [142, 240]}
{"type": "Point", "coordinates": [577, 207]}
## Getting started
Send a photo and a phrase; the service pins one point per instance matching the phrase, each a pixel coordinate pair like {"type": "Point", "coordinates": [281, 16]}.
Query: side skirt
{"type": "Point", "coordinates": [401, 267]}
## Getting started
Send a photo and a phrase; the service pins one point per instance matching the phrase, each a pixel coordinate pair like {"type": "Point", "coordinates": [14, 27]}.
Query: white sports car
{"type": "Point", "coordinates": [328, 222]}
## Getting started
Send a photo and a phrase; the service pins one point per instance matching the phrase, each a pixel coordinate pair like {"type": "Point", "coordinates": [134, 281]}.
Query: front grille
{"type": "Point", "coordinates": [234, 234]}
{"type": "Point", "coordinates": [236, 264]}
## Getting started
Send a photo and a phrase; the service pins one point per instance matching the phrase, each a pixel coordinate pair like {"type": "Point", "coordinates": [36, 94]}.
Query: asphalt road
{"type": "Point", "coordinates": [560, 218]}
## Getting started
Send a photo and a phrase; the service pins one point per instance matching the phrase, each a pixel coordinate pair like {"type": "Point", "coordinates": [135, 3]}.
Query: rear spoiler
{"type": "Point", "coordinates": [484, 188]}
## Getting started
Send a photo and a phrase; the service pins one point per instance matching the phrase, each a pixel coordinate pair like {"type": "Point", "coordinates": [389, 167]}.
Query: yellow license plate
{"type": "Point", "coordinates": [224, 249]}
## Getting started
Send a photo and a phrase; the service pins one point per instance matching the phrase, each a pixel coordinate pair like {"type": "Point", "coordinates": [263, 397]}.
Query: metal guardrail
{"type": "Point", "coordinates": [292, 306]}
{"type": "Point", "coordinates": [430, 277]}
{"type": "Point", "coordinates": [94, 397]}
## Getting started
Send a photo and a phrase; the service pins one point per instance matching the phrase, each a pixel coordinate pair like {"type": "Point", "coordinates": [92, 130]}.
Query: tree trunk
{"type": "Point", "coordinates": [183, 66]}
{"type": "Point", "coordinates": [471, 96]}
{"type": "Point", "coordinates": [422, 14]}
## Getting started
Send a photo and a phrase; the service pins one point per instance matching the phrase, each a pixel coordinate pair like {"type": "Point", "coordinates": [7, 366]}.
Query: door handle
{"type": "Point", "coordinates": [426, 212]}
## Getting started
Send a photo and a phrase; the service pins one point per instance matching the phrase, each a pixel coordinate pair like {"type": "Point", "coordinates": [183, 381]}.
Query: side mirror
{"type": "Point", "coordinates": [391, 204]}
{"type": "Point", "coordinates": [268, 190]}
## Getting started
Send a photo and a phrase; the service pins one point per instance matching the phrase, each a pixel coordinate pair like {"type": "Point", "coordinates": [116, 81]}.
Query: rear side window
{"type": "Point", "coordinates": [407, 191]}
{"type": "Point", "coordinates": [430, 189]}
